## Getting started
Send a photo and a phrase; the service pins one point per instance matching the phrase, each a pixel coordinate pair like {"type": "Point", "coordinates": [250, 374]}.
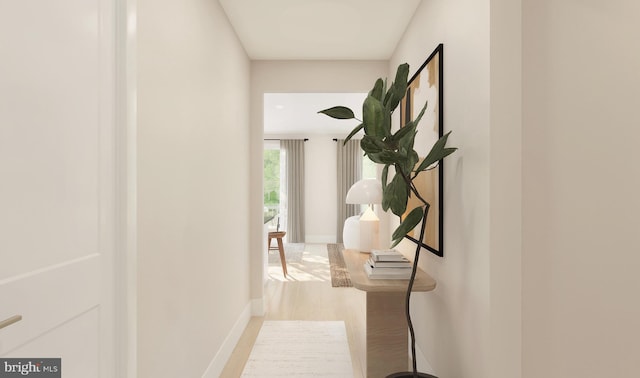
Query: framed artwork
{"type": "Point", "coordinates": [426, 86]}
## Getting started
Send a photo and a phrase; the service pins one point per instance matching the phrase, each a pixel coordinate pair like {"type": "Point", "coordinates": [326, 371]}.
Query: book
{"type": "Point", "coordinates": [387, 273]}
{"type": "Point", "coordinates": [388, 270]}
{"type": "Point", "coordinates": [405, 263]}
{"type": "Point", "coordinates": [382, 252]}
{"type": "Point", "coordinates": [387, 255]}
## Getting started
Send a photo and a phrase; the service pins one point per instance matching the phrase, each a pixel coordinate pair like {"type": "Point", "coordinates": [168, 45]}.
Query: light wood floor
{"type": "Point", "coordinates": [306, 295]}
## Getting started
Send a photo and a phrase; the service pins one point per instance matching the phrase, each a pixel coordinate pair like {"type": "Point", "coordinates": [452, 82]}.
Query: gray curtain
{"type": "Point", "coordinates": [293, 150]}
{"type": "Point", "coordinates": [349, 172]}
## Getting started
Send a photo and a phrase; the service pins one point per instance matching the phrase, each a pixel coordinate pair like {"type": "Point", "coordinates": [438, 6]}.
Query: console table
{"type": "Point", "coordinates": [387, 331]}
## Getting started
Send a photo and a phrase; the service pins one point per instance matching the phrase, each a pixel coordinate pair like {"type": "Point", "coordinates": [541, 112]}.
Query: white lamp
{"type": "Point", "coordinates": [369, 192]}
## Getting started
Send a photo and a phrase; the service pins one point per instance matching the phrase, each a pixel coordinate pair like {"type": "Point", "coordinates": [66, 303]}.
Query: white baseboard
{"type": "Point", "coordinates": [220, 359]}
{"type": "Point", "coordinates": [319, 239]}
{"type": "Point", "coordinates": [257, 307]}
{"type": "Point", "coordinates": [423, 364]}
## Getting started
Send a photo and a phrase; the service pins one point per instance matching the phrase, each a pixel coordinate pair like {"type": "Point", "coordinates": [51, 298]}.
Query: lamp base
{"type": "Point", "coordinates": [408, 374]}
{"type": "Point", "coordinates": [369, 231]}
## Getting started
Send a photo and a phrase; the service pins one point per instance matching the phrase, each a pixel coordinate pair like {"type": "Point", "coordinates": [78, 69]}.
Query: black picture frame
{"type": "Point", "coordinates": [427, 84]}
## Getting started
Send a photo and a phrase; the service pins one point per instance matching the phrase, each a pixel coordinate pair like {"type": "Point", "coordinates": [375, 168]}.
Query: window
{"type": "Point", "coordinates": [369, 168]}
{"type": "Point", "coordinates": [271, 183]}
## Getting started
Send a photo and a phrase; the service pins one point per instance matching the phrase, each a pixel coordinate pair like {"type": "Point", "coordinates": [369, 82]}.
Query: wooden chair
{"type": "Point", "coordinates": [278, 235]}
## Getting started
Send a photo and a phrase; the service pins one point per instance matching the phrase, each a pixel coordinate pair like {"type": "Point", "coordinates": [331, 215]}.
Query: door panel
{"type": "Point", "coordinates": [57, 182]}
{"type": "Point", "coordinates": [79, 359]}
{"type": "Point", "coordinates": [47, 298]}
{"type": "Point", "coordinates": [49, 136]}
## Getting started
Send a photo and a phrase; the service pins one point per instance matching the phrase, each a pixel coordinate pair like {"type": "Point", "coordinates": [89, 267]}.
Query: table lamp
{"type": "Point", "coordinates": [369, 192]}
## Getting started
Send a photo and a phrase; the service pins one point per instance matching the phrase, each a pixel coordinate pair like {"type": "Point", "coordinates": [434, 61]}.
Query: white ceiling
{"type": "Point", "coordinates": [319, 29]}
{"type": "Point", "coordinates": [297, 114]}
{"type": "Point", "coordinates": [316, 30]}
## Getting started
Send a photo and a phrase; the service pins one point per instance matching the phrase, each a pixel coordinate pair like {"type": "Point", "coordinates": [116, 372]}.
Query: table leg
{"type": "Point", "coordinates": [387, 334]}
{"type": "Point", "coordinates": [283, 261]}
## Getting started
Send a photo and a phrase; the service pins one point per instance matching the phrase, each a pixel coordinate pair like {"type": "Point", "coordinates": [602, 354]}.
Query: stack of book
{"type": "Point", "coordinates": [387, 264]}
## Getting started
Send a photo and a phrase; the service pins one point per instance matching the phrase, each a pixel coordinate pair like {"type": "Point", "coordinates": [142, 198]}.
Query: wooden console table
{"type": "Point", "coordinates": [387, 330]}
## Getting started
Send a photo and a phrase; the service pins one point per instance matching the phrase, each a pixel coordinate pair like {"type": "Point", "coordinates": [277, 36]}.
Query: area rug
{"type": "Point", "coordinates": [292, 252]}
{"type": "Point", "coordinates": [300, 349]}
{"type": "Point", "coordinates": [339, 273]}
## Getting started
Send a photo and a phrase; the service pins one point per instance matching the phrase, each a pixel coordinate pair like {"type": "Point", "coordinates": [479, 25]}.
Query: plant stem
{"type": "Point", "coordinates": [411, 186]}
{"type": "Point", "coordinates": [410, 288]}
{"type": "Point", "coordinates": [414, 269]}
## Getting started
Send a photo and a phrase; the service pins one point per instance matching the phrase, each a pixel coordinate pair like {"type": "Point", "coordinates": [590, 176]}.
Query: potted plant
{"type": "Point", "coordinates": [395, 150]}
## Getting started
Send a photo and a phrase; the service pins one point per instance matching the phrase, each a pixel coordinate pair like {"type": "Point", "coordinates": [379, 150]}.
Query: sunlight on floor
{"type": "Point", "coordinates": [313, 267]}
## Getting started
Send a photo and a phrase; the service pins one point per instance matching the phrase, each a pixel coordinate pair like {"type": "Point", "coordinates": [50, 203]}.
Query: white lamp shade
{"type": "Point", "coordinates": [366, 191]}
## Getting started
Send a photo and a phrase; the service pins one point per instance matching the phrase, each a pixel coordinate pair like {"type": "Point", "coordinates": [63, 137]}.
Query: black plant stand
{"type": "Point", "coordinates": [408, 374]}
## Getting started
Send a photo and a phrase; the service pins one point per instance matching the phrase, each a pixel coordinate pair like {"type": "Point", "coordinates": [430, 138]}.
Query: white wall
{"type": "Point", "coordinates": [541, 201]}
{"type": "Point", "coordinates": [193, 188]}
{"type": "Point", "coordinates": [293, 77]}
{"type": "Point", "coordinates": [580, 253]}
{"type": "Point", "coordinates": [321, 189]}
{"type": "Point", "coordinates": [452, 322]}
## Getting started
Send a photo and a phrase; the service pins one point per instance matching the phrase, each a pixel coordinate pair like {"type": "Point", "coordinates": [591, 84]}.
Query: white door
{"type": "Point", "coordinates": [57, 182]}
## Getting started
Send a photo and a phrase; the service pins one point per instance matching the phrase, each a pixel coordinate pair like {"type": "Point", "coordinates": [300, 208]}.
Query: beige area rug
{"type": "Point", "coordinates": [292, 252]}
{"type": "Point", "coordinates": [300, 349]}
{"type": "Point", "coordinates": [339, 273]}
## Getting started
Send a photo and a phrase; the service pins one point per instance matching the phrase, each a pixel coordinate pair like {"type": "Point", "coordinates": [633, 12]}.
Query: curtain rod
{"type": "Point", "coordinates": [305, 139]}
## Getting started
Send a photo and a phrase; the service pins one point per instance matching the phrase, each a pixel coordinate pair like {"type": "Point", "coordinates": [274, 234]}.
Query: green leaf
{"type": "Point", "coordinates": [419, 117]}
{"type": "Point", "coordinates": [384, 176]}
{"type": "Point", "coordinates": [392, 157]}
{"type": "Point", "coordinates": [449, 150]}
{"type": "Point", "coordinates": [413, 155]}
{"type": "Point", "coordinates": [402, 76]}
{"type": "Point", "coordinates": [408, 128]}
{"type": "Point", "coordinates": [388, 95]}
{"type": "Point", "coordinates": [352, 133]}
{"type": "Point", "coordinates": [386, 199]}
{"type": "Point", "coordinates": [395, 195]}
{"type": "Point", "coordinates": [390, 144]}
{"type": "Point", "coordinates": [408, 140]}
{"type": "Point", "coordinates": [391, 100]}
{"type": "Point", "coordinates": [399, 87]}
{"type": "Point", "coordinates": [385, 92]}
{"type": "Point", "coordinates": [386, 125]}
{"type": "Point", "coordinates": [376, 92]}
{"type": "Point", "coordinates": [371, 145]}
{"type": "Point", "coordinates": [395, 242]}
{"type": "Point", "coordinates": [408, 224]}
{"type": "Point", "coordinates": [410, 162]}
{"type": "Point", "coordinates": [437, 153]}
{"type": "Point", "coordinates": [373, 117]}
{"type": "Point", "coordinates": [339, 112]}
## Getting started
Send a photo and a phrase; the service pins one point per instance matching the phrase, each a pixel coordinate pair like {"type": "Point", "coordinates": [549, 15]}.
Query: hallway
{"type": "Point", "coordinates": [306, 295]}
{"type": "Point", "coordinates": [131, 147]}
